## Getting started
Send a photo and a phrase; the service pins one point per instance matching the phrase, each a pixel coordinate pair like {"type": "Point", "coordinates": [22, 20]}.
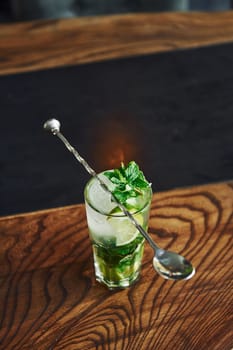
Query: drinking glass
{"type": "Point", "coordinates": [117, 245]}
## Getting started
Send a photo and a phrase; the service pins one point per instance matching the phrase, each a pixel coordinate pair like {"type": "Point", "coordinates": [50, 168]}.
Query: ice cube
{"type": "Point", "coordinates": [98, 197]}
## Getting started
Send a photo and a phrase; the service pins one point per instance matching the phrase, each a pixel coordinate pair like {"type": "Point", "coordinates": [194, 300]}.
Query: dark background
{"type": "Point", "coordinates": [18, 10]}
{"type": "Point", "coordinates": [171, 112]}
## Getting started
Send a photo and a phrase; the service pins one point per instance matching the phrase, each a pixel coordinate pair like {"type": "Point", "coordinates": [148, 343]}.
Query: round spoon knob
{"type": "Point", "coordinates": [52, 125]}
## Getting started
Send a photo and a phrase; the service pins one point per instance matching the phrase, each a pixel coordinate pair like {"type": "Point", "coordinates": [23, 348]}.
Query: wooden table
{"type": "Point", "coordinates": [49, 298]}
{"type": "Point", "coordinates": [45, 44]}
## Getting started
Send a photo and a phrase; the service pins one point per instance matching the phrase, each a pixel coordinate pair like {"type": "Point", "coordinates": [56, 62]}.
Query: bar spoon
{"type": "Point", "coordinates": [169, 265]}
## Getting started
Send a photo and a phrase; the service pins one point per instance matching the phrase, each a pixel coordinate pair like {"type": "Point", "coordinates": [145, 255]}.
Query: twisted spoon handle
{"type": "Point", "coordinates": [53, 125]}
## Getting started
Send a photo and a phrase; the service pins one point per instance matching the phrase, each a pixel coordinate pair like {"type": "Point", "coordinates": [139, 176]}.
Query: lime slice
{"type": "Point", "coordinates": [124, 229]}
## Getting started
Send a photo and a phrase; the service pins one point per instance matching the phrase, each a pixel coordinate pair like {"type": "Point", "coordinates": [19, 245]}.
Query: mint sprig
{"type": "Point", "coordinates": [129, 181]}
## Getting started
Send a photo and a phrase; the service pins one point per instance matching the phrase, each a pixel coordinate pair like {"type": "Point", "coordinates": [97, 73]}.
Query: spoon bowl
{"type": "Point", "coordinates": [171, 265]}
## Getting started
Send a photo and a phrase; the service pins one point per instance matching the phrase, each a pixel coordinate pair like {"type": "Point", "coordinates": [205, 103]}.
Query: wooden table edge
{"type": "Point", "coordinates": [43, 44]}
{"type": "Point", "coordinates": [72, 206]}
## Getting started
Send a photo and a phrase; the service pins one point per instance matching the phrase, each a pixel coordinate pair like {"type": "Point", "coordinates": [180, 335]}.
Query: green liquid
{"type": "Point", "coordinates": [118, 266]}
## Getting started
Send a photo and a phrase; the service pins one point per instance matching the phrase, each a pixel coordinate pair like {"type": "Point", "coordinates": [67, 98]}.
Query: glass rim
{"type": "Point", "coordinates": [113, 215]}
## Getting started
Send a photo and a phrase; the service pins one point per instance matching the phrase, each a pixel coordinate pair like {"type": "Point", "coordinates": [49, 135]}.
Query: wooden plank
{"type": "Point", "coordinates": [43, 44]}
{"type": "Point", "coordinates": [49, 299]}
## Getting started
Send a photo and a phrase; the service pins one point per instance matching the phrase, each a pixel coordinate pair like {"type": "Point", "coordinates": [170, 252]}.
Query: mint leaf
{"type": "Point", "coordinates": [121, 196]}
{"type": "Point", "coordinates": [139, 183]}
{"type": "Point", "coordinates": [120, 174]}
{"type": "Point", "coordinates": [115, 180]}
{"type": "Point", "coordinates": [132, 171]}
{"type": "Point", "coordinates": [129, 181]}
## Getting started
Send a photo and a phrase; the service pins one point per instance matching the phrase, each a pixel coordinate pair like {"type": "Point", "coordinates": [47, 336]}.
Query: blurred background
{"type": "Point", "coordinates": [171, 112]}
{"type": "Point", "coordinates": [22, 10]}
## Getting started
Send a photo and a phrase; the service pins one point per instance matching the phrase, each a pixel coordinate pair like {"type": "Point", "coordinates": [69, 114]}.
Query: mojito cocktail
{"type": "Point", "coordinates": [117, 244]}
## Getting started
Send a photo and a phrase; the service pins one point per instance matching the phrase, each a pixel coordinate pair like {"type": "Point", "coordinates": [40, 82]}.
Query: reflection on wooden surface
{"type": "Point", "coordinates": [49, 299]}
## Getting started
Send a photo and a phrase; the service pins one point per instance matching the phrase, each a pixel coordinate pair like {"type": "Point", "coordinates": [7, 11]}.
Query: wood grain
{"type": "Point", "coordinates": [45, 44]}
{"type": "Point", "coordinates": [49, 299]}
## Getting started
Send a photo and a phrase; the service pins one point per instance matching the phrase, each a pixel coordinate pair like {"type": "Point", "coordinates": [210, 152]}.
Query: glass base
{"type": "Point", "coordinates": [114, 268]}
{"type": "Point", "coordinates": [128, 282]}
